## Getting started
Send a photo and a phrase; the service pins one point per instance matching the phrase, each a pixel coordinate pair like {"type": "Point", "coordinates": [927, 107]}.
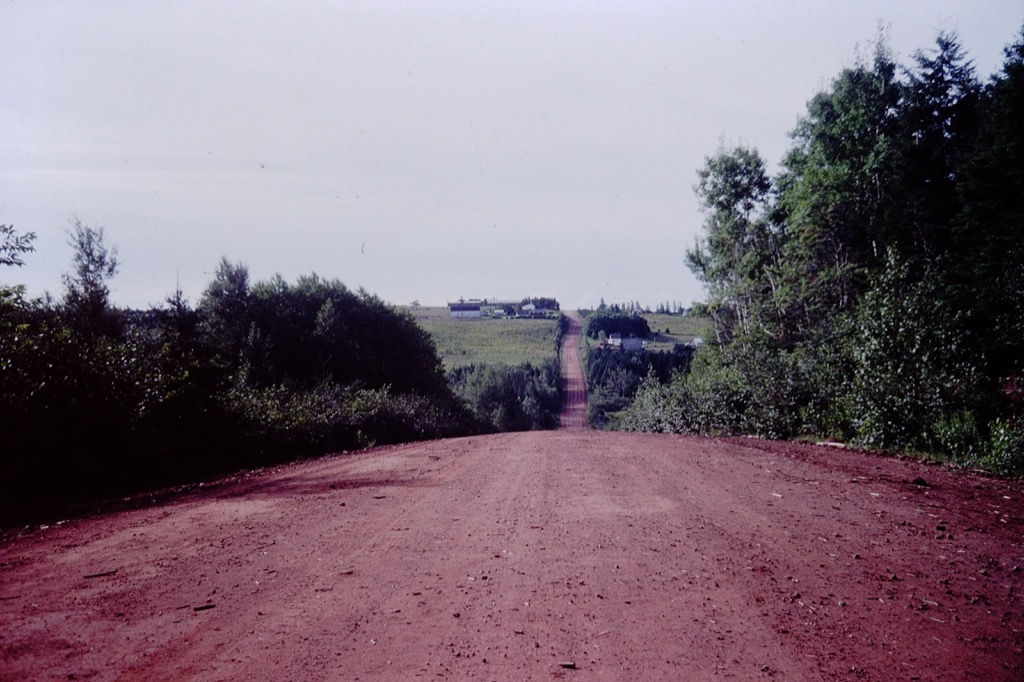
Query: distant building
{"type": "Point", "coordinates": [632, 343]}
{"type": "Point", "coordinates": [465, 310]}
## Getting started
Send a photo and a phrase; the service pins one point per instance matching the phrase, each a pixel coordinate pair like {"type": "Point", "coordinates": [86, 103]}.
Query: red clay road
{"type": "Point", "coordinates": [574, 387]}
{"type": "Point", "coordinates": [513, 557]}
{"type": "Point", "coordinates": [547, 555]}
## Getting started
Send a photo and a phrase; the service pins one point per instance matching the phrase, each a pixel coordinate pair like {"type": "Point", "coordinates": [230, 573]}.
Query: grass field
{"type": "Point", "coordinates": [680, 329]}
{"type": "Point", "coordinates": [475, 342]}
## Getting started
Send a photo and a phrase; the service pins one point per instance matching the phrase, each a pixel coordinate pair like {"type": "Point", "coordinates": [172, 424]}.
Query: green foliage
{"type": "Point", "coordinates": [13, 245]}
{"type": "Point", "coordinates": [615, 375]}
{"type": "Point", "coordinates": [541, 303]}
{"type": "Point", "coordinates": [86, 297]}
{"type": "Point", "coordinates": [874, 290]}
{"type": "Point", "coordinates": [987, 274]}
{"type": "Point", "coordinates": [561, 329]}
{"type": "Point", "coordinates": [837, 196]}
{"type": "Point", "coordinates": [507, 398]}
{"type": "Point", "coordinates": [661, 408]}
{"type": "Point", "coordinates": [615, 323]}
{"type": "Point", "coordinates": [912, 366]}
{"type": "Point", "coordinates": [1005, 454]}
{"type": "Point", "coordinates": [671, 330]}
{"type": "Point", "coordinates": [959, 436]}
{"type": "Point", "coordinates": [96, 401]}
{"type": "Point", "coordinates": [85, 416]}
{"type": "Point", "coordinates": [225, 312]}
{"type": "Point", "coordinates": [730, 390]}
{"type": "Point", "coordinates": [739, 240]}
{"type": "Point", "coordinates": [276, 422]}
{"type": "Point", "coordinates": [315, 331]}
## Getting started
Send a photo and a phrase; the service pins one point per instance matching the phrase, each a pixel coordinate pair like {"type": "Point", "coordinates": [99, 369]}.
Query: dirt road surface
{"type": "Point", "coordinates": [559, 555]}
{"type": "Point", "coordinates": [574, 387]}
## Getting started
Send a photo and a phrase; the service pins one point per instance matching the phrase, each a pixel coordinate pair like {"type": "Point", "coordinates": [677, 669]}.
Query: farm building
{"type": "Point", "coordinates": [632, 343]}
{"type": "Point", "coordinates": [465, 310]}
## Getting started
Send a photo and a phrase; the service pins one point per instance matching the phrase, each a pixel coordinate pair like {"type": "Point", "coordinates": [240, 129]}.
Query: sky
{"type": "Point", "coordinates": [424, 151]}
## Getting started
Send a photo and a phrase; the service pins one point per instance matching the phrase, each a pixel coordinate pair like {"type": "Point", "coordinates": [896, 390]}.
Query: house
{"type": "Point", "coordinates": [632, 343]}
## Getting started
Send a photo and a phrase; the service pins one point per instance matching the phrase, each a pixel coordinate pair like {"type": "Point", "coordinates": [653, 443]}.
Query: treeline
{"type": "Point", "coordinates": [607, 322]}
{"type": "Point", "coordinates": [873, 290]}
{"type": "Point", "coordinates": [635, 308]}
{"type": "Point", "coordinates": [542, 303]}
{"type": "Point", "coordinates": [96, 401]}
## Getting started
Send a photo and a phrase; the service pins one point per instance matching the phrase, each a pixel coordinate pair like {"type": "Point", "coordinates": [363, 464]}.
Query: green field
{"type": "Point", "coordinates": [681, 329]}
{"type": "Point", "coordinates": [485, 341]}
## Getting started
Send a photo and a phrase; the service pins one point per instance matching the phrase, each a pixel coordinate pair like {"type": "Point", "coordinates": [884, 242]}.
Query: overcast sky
{"type": "Point", "coordinates": [421, 150]}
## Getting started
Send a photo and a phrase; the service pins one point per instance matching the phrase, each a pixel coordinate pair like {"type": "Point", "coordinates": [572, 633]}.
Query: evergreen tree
{"type": "Point", "coordinates": [939, 118]}
{"type": "Point", "coordinates": [986, 273]}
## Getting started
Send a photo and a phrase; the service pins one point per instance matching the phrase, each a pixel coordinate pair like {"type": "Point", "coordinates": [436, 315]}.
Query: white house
{"type": "Point", "coordinates": [631, 343]}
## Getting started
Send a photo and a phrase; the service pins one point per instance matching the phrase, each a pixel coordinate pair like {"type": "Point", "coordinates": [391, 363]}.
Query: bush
{"type": "Point", "coordinates": [959, 437]}
{"type": "Point", "coordinates": [661, 408]}
{"type": "Point", "coordinates": [254, 376]}
{"type": "Point", "coordinates": [912, 368]}
{"type": "Point", "coordinates": [743, 388]}
{"type": "Point", "coordinates": [1005, 455]}
{"type": "Point", "coordinates": [615, 375]}
{"type": "Point", "coordinates": [504, 398]}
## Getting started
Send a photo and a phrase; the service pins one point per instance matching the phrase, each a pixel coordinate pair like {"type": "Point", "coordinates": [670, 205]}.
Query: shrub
{"type": "Point", "coordinates": [1005, 455]}
{"type": "Point", "coordinates": [911, 362]}
{"type": "Point", "coordinates": [504, 398]}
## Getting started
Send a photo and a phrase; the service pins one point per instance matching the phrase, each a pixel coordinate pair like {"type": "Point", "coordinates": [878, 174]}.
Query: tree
{"type": "Point", "coordinates": [939, 118]}
{"type": "Point", "coordinates": [224, 312]}
{"type": "Point", "coordinates": [987, 276]}
{"type": "Point", "coordinates": [616, 323]}
{"type": "Point", "coordinates": [838, 193]}
{"type": "Point", "coordinates": [737, 245]}
{"type": "Point", "coordinates": [14, 245]}
{"type": "Point", "coordinates": [86, 297]}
